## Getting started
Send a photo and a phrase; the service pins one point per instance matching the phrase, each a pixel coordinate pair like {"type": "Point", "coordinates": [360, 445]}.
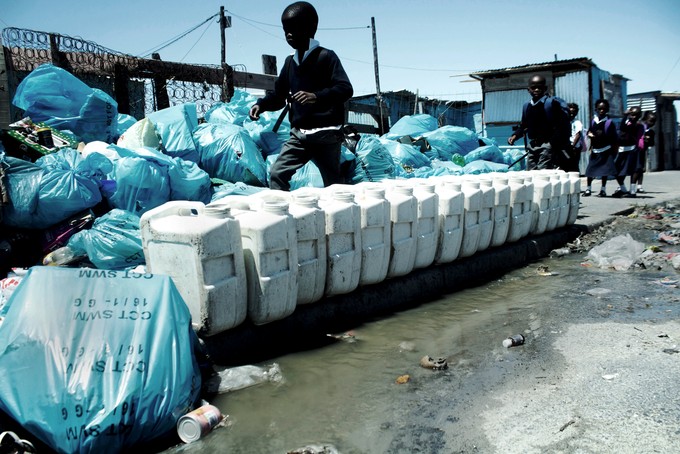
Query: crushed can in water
{"type": "Point", "coordinates": [198, 423]}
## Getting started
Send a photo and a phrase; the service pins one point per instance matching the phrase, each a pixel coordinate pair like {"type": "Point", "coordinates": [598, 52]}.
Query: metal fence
{"type": "Point", "coordinates": [139, 86]}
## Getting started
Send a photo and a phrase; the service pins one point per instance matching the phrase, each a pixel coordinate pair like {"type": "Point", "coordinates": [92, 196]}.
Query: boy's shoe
{"type": "Point", "coordinates": [587, 193]}
{"type": "Point", "coordinates": [629, 195]}
{"type": "Point", "coordinates": [640, 190]}
{"type": "Point", "coordinates": [619, 193]}
{"type": "Point", "coordinates": [602, 193]}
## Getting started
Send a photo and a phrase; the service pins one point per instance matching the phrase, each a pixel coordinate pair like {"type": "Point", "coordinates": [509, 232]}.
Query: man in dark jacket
{"type": "Point", "coordinates": [315, 85]}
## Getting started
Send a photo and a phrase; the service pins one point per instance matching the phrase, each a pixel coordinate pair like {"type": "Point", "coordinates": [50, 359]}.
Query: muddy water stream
{"type": "Point", "coordinates": [345, 394]}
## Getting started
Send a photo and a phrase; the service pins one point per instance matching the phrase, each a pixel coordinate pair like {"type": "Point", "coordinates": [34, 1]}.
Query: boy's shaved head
{"type": "Point", "coordinates": [301, 17]}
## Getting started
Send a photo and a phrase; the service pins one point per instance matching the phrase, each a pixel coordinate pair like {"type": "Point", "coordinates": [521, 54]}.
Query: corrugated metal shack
{"type": "Point", "coordinates": [666, 153]}
{"type": "Point", "coordinates": [397, 104]}
{"type": "Point", "coordinates": [579, 80]}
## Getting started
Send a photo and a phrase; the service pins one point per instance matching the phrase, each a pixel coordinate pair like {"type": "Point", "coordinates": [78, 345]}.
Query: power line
{"type": "Point", "coordinates": [174, 40]}
{"type": "Point", "coordinates": [194, 45]}
{"type": "Point", "coordinates": [669, 73]}
{"type": "Point", "coordinates": [279, 25]}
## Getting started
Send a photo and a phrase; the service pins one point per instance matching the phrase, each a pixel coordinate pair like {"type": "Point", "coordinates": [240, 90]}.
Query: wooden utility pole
{"type": "Point", "coordinates": [228, 73]}
{"type": "Point", "coordinates": [378, 94]}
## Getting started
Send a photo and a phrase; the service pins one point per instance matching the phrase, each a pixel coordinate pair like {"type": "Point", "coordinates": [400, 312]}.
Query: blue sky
{"type": "Point", "coordinates": [423, 46]}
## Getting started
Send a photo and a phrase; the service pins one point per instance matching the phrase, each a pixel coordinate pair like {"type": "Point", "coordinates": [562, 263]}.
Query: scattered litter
{"type": "Point", "coordinates": [610, 376]}
{"type": "Point", "coordinates": [407, 346]}
{"type": "Point", "coordinates": [560, 252]}
{"type": "Point", "coordinates": [670, 237]}
{"type": "Point", "coordinates": [198, 423]}
{"type": "Point", "coordinates": [670, 351]}
{"type": "Point", "coordinates": [11, 443]}
{"type": "Point", "coordinates": [543, 270]}
{"type": "Point", "coordinates": [513, 341]}
{"type": "Point", "coordinates": [403, 379]}
{"type": "Point", "coordinates": [619, 252]}
{"type": "Point", "coordinates": [227, 380]}
{"type": "Point", "coordinates": [315, 449]}
{"type": "Point", "coordinates": [429, 362]}
{"type": "Point", "coordinates": [348, 337]}
{"type": "Point", "coordinates": [598, 291]}
{"type": "Point", "coordinates": [667, 282]}
{"type": "Point", "coordinates": [567, 424]}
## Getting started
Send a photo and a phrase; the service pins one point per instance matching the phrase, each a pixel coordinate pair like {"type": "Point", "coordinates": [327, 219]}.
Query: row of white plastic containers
{"type": "Point", "coordinates": [259, 256]}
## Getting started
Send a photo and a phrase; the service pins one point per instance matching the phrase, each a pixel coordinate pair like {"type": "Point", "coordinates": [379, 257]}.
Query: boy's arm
{"type": "Point", "coordinates": [276, 99]}
{"type": "Point", "coordinates": [520, 131]}
{"type": "Point", "coordinates": [340, 88]}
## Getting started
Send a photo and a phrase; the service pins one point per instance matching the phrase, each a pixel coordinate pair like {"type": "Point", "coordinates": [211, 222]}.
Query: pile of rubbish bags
{"type": "Point", "coordinates": [75, 178]}
{"type": "Point", "coordinates": [115, 167]}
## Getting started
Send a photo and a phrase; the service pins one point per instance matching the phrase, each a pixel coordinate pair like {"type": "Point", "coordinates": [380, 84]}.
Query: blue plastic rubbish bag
{"type": "Point", "coordinates": [407, 156]}
{"type": "Point", "coordinates": [449, 140]}
{"type": "Point", "coordinates": [412, 125]}
{"type": "Point", "coordinates": [487, 153]}
{"type": "Point", "coordinates": [97, 361]}
{"type": "Point", "coordinates": [140, 185]}
{"type": "Point", "coordinates": [227, 152]}
{"type": "Point", "coordinates": [56, 97]}
{"type": "Point", "coordinates": [373, 162]}
{"type": "Point", "coordinates": [113, 242]}
{"type": "Point", "coordinates": [234, 112]}
{"type": "Point", "coordinates": [174, 125]}
{"type": "Point", "coordinates": [53, 189]}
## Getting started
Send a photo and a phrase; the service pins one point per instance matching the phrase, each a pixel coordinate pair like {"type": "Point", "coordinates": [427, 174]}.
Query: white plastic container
{"type": "Point", "coordinates": [472, 206]}
{"type": "Point", "coordinates": [541, 201]}
{"type": "Point", "coordinates": [501, 224]}
{"type": "Point", "coordinates": [271, 258]}
{"type": "Point", "coordinates": [310, 227]}
{"type": "Point", "coordinates": [565, 196]}
{"type": "Point", "coordinates": [451, 209]}
{"type": "Point", "coordinates": [516, 213]}
{"type": "Point", "coordinates": [528, 209]}
{"type": "Point", "coordinates": [574, 197]}
{"type": "Point", "coordinates": [428, 221]}
{"type": "Point", "coordinates": [343, 242]}
{"type": "Point", "coordinates": [486, 213]}
{"type": "Point", "coordinates": [404, 226]}
{"type": "Point", "coordinates": [555, 199]}
{"type": "Point", "coordinates": [200, 248]}
{"type": "Point", "coordinates": [376, 235]}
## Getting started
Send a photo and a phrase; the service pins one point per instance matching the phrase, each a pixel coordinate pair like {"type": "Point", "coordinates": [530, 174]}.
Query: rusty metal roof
{"type": "Point", "coordinates": [575, 63]}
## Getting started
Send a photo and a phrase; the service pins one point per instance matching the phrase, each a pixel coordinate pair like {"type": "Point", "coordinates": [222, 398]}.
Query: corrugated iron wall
{"type": "Point", "coordinates": [573, 87]}
{"type": "Point", "coordinates": [504, 106]}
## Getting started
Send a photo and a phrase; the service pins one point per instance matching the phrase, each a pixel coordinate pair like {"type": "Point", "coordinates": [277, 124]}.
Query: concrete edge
{"type": "Point", "coordinates": [309, 325]}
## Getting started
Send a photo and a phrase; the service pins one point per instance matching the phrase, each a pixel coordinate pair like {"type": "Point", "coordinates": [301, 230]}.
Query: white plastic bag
{"type": "Point", "coordinates": [619, 252]}
{"type": "Point", "coordinates": [242, 377]}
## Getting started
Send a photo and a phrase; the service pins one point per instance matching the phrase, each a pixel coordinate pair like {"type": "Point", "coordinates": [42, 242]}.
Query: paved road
{"type": "Point", "coordinates": [659, 187]}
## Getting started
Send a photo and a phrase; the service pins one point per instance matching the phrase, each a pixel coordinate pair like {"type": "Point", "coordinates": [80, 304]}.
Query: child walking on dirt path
{"type": "Point", "coordinates": [603, 148]}
{"type": "Point", "coordinates": [648, 142]}
{"type": "Point", "coordinates": [315, 87]}
{"type": "Point", "coordinates": [628, 157]}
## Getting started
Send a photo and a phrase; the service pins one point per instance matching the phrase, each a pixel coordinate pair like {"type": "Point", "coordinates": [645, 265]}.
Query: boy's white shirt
{"type": "Point", "coordinates": [313, 44]}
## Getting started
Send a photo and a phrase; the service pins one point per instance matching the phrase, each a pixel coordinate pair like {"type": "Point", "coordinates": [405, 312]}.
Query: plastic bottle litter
{"type": "Point", "coordinates": [196, 424]}
{"type": "Point", "coordinates": [513, 341]}
{"type": "Point", "coordinates": [243, 377]}
{"type": "Point", "coordinates": [62, 256]}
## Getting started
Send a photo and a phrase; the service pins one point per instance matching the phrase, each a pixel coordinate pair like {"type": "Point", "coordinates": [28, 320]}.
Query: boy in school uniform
{"type": "Point", "coordinates": [627, 159]}
{"type": "Point", "coordinates": [546, 140]}
{"type": "Point", "coordinates": [648, 142]}
{"type": "Point", "coordinates": [315, 86]}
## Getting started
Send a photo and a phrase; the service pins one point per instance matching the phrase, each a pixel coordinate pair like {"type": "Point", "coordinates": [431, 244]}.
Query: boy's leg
{"type": "Point", "coordinates": [293, 156]}
{"type": "Point", "coordinates": [325, 152]}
